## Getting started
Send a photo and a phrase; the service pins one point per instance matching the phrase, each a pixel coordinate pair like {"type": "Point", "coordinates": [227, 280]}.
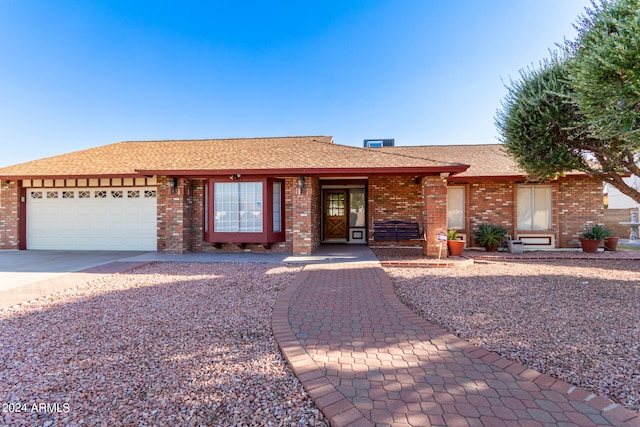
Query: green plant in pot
{"type": "Point", "coordinates": [455, 244]}
{"type": "Point", "coordinates": [592, 237]}
{"type": "Point", "coordinates": [490, 236]}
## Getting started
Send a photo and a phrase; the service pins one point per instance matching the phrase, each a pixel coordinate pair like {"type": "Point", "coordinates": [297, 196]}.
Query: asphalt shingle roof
{"type": "Point", "coordinates": [305, 154]}
{"type": "Point", "coordinates": [484, 160]}
{"type": "Point", "coordinates": [294, 154]}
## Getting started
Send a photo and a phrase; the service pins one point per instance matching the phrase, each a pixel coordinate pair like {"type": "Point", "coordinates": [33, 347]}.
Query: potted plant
{"type": "Point", "coordinates": [490, 236]}
{"type": "Point", "coordinates": [455, 244]}
{"type": "Point", "coordinates": [592, 237]}
{"type": "Point", "coordinates": [611, 243]}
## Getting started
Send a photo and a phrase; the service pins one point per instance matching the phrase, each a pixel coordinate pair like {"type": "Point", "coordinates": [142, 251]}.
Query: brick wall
{"type": "Point", "coordinates": [489, 202]}
{"type": "Point", "coordinates": [393, 198]}
{"type": "Point", "coordinates": [576, 201]}
{"type": "Point", "coordinates": [306, 218]}
{"type": "Point", "coordinates": [172, 210]}
{"type": "Point", "coordinates": [613, 218]}
{"type": "Point", "coordinates": [579, 202]}
{"type": "Point", "coordinates": [9, 215]}
{"type": "Point", "coordinates": [434, 191]}
{"type": "Point", "coordinates": [195, 217]}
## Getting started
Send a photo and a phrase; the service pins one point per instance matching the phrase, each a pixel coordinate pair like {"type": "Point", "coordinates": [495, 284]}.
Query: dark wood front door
{"type": "Point", "coordinates": [335, 214]}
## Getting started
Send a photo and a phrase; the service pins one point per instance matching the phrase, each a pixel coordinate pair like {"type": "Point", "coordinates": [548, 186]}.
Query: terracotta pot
{"type": "Point", "coordinates": [611, 243]}
{"type": "Point", "coordinates": [590, 246]}
{"type": "Point", "coordinates": [492, 248]}
{"type": "Point", "coordinates": [455, 247]}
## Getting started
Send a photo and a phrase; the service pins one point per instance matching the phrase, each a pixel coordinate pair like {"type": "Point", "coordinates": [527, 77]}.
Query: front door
{"type": "Point", "coordinates": [335, 214]}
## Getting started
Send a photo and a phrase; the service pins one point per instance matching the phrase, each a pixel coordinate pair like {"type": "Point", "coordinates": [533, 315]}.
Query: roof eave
{"type": "Point", "coordinates": [69, 176]}
{"type": "Point", "coordinates": [411, 170]}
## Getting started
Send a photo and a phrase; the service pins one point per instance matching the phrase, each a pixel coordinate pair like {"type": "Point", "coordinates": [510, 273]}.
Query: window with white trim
{"type": "Point", "coordinates": [455, 208]}
{"type": "Point", "coordinates": [237, 207]}
{"type": "Point", "coordinates": [277, 206]}
{"type": "Point", "coordinates": [534, 207]}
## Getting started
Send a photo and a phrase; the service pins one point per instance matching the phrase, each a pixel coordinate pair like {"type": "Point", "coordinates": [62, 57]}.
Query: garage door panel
{"type": "Point", "coordinates": [98, 219]}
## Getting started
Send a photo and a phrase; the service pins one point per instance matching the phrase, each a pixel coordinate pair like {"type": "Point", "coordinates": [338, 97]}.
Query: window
{"type": "Point", "coordinates": [534, 207]}
{"type": "Point", "coordinates": [277, 206]}
{"type": "Point", "coordinates": [356, 208]}
{"type": "Point", "coordinates": [244, 211]}
{"type": "Point", "coordinates": [455, 208]}
{"type": "Point", "coordinates": [237, 207]}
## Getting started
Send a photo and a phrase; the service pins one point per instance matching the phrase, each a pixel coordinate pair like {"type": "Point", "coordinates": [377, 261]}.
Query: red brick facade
{"type": "Point", "coordinates": [181, 217]}
{"type": "Point", "coordinates": [306, 217]}
{"type": "Point", "coordinates": [9, 215]}
{"type": "Point", "coordinates": [576, 201]}
{"type": "Point", "coordinates": [579, 201]}
{"type": "Point", "coordinates": [434, 194]}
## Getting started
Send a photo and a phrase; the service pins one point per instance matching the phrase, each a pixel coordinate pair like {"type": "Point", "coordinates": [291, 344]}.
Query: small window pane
{"type": "Point", "coordinates": [356, 208]}
{"type": "Point", "coordinates": [238, 207]}
{"type": "Point", "coordinates": [455, 208]}
{"type": "Point", "coordinates": [277, 209]}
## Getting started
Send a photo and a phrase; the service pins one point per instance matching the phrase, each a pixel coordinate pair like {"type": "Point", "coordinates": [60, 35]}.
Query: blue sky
{"type": "Point", "coordinates": [79, 74]}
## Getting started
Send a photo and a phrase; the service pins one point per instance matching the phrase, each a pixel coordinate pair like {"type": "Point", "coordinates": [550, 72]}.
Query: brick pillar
{"type": "Point", "coordinates": [434, 214]}
{"type": "Point", "coordinates": [305, 226]}
{"type": "Point", "coordinates": [9, 215]}
{"type": "Point", "coordinates": [173, 233]}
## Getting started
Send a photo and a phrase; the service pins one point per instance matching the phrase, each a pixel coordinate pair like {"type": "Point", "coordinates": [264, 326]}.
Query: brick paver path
{"type": "Point", "coordinates": [366, 359]}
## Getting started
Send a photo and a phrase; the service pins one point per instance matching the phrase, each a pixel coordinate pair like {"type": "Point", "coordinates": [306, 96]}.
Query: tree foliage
{"type": "Point", "coordinates": [605, 70]}
{"type": "Point", "coordinates": [581, 111]}
{"type": "Point", "coordinates": [539, 122]}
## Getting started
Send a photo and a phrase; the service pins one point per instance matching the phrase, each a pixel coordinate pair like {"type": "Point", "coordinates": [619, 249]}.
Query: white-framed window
{"type": "Point", "coordinates": [455, 208]}
{"type": "Point", "coordinates": [277, 206]}
{"type": "Point", "coordinates": [534, 207]}
{"type": "Point", "coordinates": [237, 207]}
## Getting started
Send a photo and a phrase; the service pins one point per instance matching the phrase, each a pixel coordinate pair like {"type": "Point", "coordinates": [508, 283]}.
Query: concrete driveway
{"type": "Point", "coordinates": [27, 275]}
{"type": "Point", "coordinates": [20, 268]}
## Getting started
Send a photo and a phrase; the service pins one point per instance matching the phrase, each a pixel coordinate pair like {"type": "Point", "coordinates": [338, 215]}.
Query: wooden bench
{"type": "Point", "coordinates": [396, 230]}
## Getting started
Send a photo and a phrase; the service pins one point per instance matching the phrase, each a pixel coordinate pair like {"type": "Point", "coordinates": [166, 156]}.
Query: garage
{"type": "Point", "coordinates": [122, 218]}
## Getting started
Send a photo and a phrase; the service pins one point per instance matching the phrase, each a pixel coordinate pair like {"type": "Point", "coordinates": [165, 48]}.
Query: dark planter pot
{"type": "Point", "coordinates": [611, 243]}
{"type": "Point", "coordinates": [491, 248]}
{"type": "Point", "coordinates": [590, 246]}
{"type": "Point", "coordinates": [455, 247]}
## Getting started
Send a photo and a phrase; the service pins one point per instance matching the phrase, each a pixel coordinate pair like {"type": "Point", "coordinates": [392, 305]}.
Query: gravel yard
{"type": "Point", "coordinates": [575, 320]}
{"type": "Point", "coordinates": [163, 345]}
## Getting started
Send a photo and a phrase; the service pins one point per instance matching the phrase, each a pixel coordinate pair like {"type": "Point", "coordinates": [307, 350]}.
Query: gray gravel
{"type": "Point", "coordinates": [163, 345]}
{"type": "Point", "coordinates": [578, 321]}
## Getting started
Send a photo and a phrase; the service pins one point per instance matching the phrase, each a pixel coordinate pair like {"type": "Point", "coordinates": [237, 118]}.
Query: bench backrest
{"type": "Point", "coordinates": [396, 230]}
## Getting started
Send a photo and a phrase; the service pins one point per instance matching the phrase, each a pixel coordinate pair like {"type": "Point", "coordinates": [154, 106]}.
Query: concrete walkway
{"type": "Point", "coordinates": [366, 359]}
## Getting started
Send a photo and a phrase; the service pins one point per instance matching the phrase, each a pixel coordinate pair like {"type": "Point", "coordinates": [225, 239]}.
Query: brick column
{"type": "Point", "coordinates": [305, 226]}
{"type": "Point", "coordinates": [173, 233]}
{"type": "Point", "coordinates": [9, 215]}
{"type": "Point", "coordinates": [434, 214]}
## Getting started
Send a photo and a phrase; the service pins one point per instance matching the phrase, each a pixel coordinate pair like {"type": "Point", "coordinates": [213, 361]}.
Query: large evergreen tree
{"type": "Point", "coordinates": [605, 70]}
{"type": "Point", "coordinates": [582, 111]}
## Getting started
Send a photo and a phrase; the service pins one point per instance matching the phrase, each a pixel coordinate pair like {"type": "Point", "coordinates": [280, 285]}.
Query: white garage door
{"type": "Point", "coordinates": [122, 218]}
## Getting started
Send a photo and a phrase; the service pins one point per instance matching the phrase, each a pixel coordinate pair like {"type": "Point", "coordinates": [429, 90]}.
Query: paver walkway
{"type": "Point", "coordinates": [366, 359]}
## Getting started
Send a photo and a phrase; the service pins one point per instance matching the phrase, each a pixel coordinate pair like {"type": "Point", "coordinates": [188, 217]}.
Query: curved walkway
{"type": "Point", "coordinates": [366, 359]}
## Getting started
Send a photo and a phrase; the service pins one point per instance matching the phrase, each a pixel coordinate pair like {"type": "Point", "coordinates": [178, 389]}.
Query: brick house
{"type": "Point", "coordinates": [286, 194]}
